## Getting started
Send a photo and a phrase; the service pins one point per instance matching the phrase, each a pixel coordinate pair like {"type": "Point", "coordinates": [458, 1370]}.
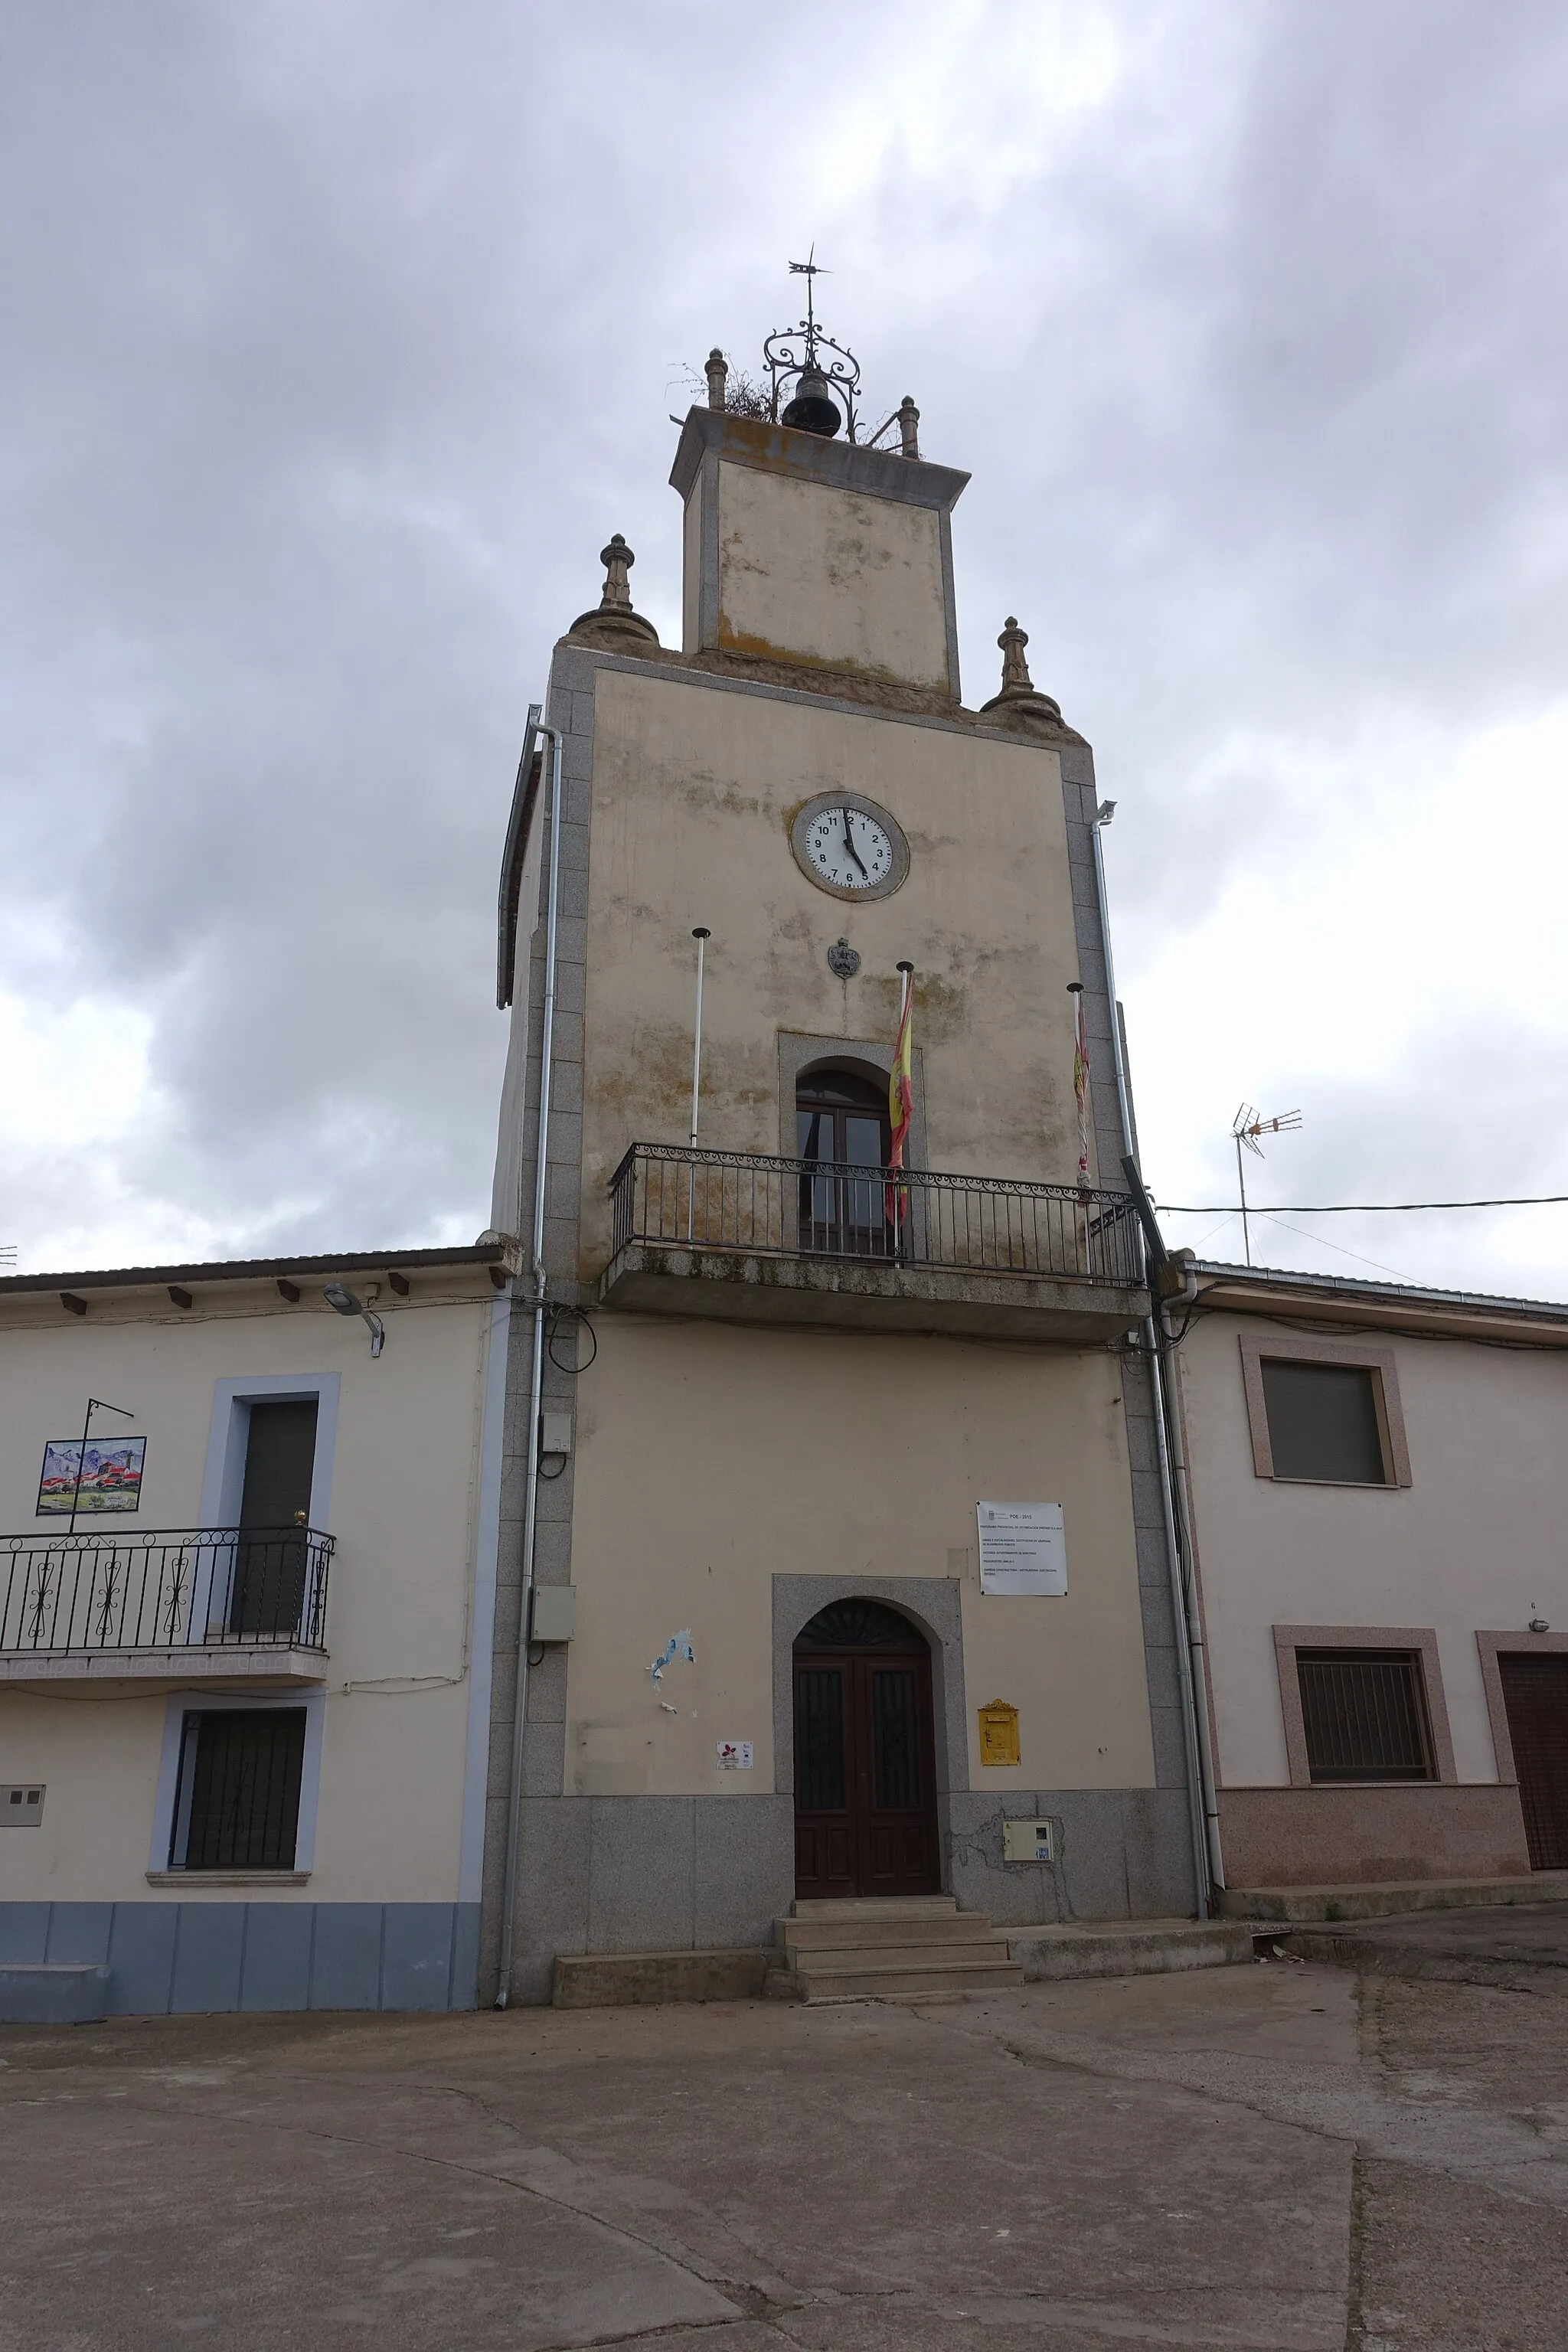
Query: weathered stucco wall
{"type": "Point", "coordinates": [1474, 1542]}
{"type": "Point", "coordinates": [711, 1459]}
{"type": "Point", "coordinates": [694, 788]}
{"type": "Point", "coordinates": [403, 1508]}
{"type": "Point", "coordinates": [813, 574]}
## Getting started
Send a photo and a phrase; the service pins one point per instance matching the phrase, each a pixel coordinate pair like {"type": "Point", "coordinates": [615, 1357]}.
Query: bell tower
{"type": "Point", "coordinates": [836, 1258]}
{"type": "Point", "coordinates": [806, 547]}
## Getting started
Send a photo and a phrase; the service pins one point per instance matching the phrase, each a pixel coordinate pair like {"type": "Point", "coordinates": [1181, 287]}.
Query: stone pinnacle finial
{"type": "Point", "coordinates": [1020, 699]}
{"type": "Point", "coordinates": [613, 622]}
{"type": "Point", "coordinates": [617, 559]}
{"type": "Point", "coordinates": [909, 425]}
{"type": "Point", "coordinates": [1015, 679]}
{"type": "Point", "coordinates": [717, 373]}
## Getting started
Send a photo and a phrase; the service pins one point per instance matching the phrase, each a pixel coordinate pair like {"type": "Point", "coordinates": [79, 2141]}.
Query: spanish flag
{"type": "Point", "coordinates": [901, 1102]}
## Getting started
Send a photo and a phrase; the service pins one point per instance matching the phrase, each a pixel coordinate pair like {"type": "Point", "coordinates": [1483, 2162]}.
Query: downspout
{"type": "Point", "coordinates": [536, 1374]}
{"type": "Point", "coordinates": [1202, 1812]}
{"type": "Point", "coordinates": [1175, 1460]}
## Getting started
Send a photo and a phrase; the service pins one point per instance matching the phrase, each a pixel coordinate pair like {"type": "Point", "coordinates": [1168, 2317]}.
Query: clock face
{"type": "Point", "coordinates": [849, 847]}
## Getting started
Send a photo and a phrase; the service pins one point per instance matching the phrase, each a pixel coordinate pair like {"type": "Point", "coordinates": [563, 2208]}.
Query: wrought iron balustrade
{"type": "Point", "coordinates": [669, 1196]}
{"type": "Point", "coordinates": [186, 1588]}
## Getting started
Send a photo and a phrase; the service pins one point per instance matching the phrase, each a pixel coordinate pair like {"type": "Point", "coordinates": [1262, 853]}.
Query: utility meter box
{"type": "Point", "coordinates": [553, 1616]}
{"type": "Point", "coordinates": [1027, 1841]}
{"type": "Point", "coordinates": [554, 1432]}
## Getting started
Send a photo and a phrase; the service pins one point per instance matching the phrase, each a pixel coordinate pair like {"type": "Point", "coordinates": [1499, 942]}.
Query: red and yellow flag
{"type": "Point", "coordinates": [901, 1101]}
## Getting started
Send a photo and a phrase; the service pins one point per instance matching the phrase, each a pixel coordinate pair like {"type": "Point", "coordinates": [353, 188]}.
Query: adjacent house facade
{"type": "Point", "coordinates": [245, 1627]}
{"type": "Point", "coordinates": [1378, 1493]}
{"type": "Point", "coordinates": [792, 1413]}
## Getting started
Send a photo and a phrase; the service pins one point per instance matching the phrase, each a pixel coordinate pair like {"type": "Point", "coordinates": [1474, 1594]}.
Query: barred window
{"type": "Point", "coordinates": [1364, 1715]}
{"type": "Point", "coordinates": [1323, 1423]}
{"type": "Point", "coordinates": [238, 1804]}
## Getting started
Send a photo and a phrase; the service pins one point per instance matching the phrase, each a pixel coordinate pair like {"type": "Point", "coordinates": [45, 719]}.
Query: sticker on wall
{"type": "Point", "coordinates": [97, 1476]}
{"type": "Point", "coordinates": [734, 1756]}
{"type": "Point", "coordinates": [1023, 1548]}
{"type": "Point", "coordinates": [999, 1733]}
{"type": "Point", "coordinates": [677, 1646]}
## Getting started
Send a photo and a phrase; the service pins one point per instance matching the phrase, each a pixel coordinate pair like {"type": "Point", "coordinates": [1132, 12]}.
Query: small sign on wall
{"type": "Point", "coordinates": [734, 1756]}
{"type": "Point", "coordinates": [1023, 1548]}
{"type": "Point", "coordinates": [999, 1733]}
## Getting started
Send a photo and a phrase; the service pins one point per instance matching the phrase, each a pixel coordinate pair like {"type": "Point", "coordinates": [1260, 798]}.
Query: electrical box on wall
{"type": "Point", "coordinates": [22, 1806]}
{"type": "Point", "coordinates": [555, 1432]}
{"type": "Point", "coordinates": [553, 1616]}
{"type": "Point", "coordinates": [1027, 1841]}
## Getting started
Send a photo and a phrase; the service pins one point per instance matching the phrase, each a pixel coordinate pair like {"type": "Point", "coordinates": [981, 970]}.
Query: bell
{"type": "Point", "coordinates": [812, 410]}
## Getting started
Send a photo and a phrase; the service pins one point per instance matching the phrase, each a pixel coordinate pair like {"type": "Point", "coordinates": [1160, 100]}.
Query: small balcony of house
{"type": "Point", "coordinates": [245, 1604]}
{"type": "Point", "coordinates": [743, 1237]}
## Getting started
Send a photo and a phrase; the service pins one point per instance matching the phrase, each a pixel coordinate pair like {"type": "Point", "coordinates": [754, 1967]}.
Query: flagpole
{"type": "Point", "coordinates": [1081, 1093]}
{"type": "Point", "coordinates": [701, 934]}
{"type": "Point", "coordinates": [901, 1088]}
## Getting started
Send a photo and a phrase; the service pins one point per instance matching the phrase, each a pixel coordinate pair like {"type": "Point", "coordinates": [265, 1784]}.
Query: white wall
{"type": "Point", "coordinates": [404, 1502]}
{"type": "Point", "coordinates": [1478, 1541]}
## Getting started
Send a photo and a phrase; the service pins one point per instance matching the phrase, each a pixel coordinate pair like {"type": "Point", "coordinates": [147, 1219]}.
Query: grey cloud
{"type": "Point", "coordinates": [336, 341]}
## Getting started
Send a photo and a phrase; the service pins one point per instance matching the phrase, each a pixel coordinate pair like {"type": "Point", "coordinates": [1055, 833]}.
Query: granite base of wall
{"type": "Point", "coordinates": [1120, 1853]}
{"type": "Point", "coordinates": [661, 1874]}
{"type": "Point", "coordinates": [1362, 1836]}
{"type": "Point", "coordinates": [176, 1959]}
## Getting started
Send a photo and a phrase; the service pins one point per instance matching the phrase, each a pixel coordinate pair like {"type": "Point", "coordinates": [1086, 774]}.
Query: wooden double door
{"type": "Point", "coordinates": [1535, 1694]}
{"type": "Point", "coordinates": [865, 1779]}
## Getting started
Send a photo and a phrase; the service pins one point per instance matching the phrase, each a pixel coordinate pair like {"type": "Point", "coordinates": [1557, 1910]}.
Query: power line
{"type": "Point", "coordinates": [1360, 1208]}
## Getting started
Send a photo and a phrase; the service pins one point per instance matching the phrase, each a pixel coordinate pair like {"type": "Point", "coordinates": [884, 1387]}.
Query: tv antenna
{"type": "Point", "coordinates": [1244, 1129]}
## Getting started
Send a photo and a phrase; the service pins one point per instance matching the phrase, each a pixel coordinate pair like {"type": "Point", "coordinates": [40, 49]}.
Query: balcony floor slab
{"type": "Point", "coordinates": [244, 1663]}
{"type": "Point", "coordinates": [854, 1295]}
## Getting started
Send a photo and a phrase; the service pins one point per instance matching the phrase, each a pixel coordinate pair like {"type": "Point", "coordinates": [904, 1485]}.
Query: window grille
{"type": "Point", "coordinates": [240, 1790]}
{"type": "Point", "coordinates": [1364, 1714]}
{"type": "Point", "coordinates": [1323, 1423]}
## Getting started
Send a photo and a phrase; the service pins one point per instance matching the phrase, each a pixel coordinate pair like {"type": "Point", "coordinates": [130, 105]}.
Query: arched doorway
{"type": "Point", "coordinates": [841, 1119]}
{"type": "Point", "coordinates": [865, 1776]}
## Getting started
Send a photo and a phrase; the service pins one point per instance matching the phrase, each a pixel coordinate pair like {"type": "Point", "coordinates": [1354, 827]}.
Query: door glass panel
{"type": "Point", "coordinates": [894, 1738]}
{"type": "Point", "coordinates": [819, 1738]}
{"type": "Point", "coordinates": [863, 1141]}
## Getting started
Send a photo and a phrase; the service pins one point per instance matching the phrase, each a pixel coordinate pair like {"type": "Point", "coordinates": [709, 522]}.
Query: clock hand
{"type": "Point", "coordinates": [849, 845]}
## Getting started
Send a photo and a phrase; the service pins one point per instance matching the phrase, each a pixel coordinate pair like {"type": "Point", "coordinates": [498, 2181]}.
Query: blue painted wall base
{"type": "Point", "coordinates": [174, 1958]}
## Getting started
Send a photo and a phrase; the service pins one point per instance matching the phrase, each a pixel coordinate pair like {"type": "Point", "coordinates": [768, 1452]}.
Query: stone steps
{"type": "Point", "coordinates": [870, 1950]}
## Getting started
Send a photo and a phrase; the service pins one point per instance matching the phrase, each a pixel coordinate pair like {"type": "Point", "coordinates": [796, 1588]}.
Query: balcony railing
{"type": "Point", "coordinates": [667, 1197]}
{"type": "Point", "coordinates": [187, 1587]}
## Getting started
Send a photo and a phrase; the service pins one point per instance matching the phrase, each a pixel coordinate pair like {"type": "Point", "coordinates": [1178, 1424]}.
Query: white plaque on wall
{"type": "Point", "coordinates": [1022, 1548]}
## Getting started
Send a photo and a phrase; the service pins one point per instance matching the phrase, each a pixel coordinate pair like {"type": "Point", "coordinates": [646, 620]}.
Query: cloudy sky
{"type": "Point", "coordinates": [337, 338]}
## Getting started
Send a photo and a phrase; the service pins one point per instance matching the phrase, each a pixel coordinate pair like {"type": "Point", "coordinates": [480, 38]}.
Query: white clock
{"type": "Point", "coordinates": [847, 845]}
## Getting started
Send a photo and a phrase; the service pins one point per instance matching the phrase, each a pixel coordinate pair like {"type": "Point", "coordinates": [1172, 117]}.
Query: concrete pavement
{"type": "Point", "coordinates": [1262, 2157]}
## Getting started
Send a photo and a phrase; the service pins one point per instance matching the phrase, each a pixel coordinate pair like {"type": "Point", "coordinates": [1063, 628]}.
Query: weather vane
{"type": "Point", "coordinates": [808, 270]}
{"type": "Point", "coordinates": [1244, 1129]}
{"type": "Point", "coordinates": [826, 375]}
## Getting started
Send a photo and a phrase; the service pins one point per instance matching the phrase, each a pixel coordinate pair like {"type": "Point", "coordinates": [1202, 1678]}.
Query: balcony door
{"type": "Point", "coordinates": [865, 1765]}
{"type": "Point", "coordinates": [841, 1120]}
{"type": "Point", "coordinates": [271, 1549]}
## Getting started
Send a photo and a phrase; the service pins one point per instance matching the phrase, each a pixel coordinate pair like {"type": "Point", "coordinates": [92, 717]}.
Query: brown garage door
{"type": "Point", "coordinates": [1535, 1692]}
